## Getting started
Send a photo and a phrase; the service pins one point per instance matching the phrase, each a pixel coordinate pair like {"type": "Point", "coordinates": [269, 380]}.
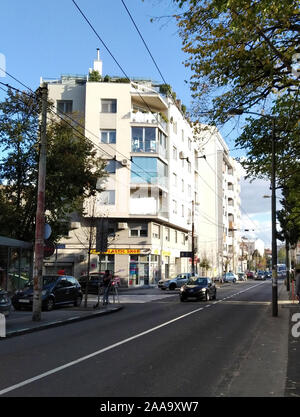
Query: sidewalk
{"type": "Point", "coordinates": [20, 322]}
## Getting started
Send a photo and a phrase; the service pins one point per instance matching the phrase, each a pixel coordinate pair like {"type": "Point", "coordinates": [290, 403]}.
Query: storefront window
{"type": "Point", "coordinates": [139, 270]}
{"type": "Point", "coordinates": [107, 262]}
{"type": "Point", "coordinates": [15, 264]}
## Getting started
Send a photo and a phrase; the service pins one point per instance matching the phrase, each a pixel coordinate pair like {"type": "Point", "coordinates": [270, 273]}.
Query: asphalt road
{"type": "Point", "coordinates": [163, 348]}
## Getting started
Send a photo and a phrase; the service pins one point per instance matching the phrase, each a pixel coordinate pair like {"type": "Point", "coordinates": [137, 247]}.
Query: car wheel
{"type": "Point", "coordinates": [215, 295]}
{"type": "Point", "coordinates": [182, 299]}
{"type": "Point", "coordinates": [77, 301]}
{"type": "Point", "coordinates": [50, 304]}
{"type": "Point", "coordinates": [207, 296]}
{"type": "Point", "coordinates": [172, 287]}
{"type": "Point", "coordinates": [234, 280]}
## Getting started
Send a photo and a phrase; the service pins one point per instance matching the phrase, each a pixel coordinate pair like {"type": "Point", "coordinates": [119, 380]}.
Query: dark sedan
{"type": "Point", "coordinates": [201, 288]}
{"type": "Point", "coordinates": [57, 290]}
{"type": "Point", "coordinates": [5, 303]}
{"type": "Point", "coordinates": [95, 281]}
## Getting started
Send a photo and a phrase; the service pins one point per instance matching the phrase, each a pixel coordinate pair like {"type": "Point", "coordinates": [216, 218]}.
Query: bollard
{"type": "Point", "coordinates": [2, 325]}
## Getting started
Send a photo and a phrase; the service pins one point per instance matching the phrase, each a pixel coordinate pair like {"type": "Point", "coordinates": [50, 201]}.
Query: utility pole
{"type": "Point", "coordinates": [193, 240]}
{"type": "Point", "coordinates": [274, 234]}
{"type": "Point", "coordinates": [40, 214]}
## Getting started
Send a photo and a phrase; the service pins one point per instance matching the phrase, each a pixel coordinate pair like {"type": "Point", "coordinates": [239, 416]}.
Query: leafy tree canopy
{"type": "Point", "coordinates": [240, 51]}
{"type": "Point", "coordinates": [72, 169]}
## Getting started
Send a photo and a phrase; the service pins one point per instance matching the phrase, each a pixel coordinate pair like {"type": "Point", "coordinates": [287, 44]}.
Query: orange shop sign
{"type": "Point", "coordinates": [118, 252]}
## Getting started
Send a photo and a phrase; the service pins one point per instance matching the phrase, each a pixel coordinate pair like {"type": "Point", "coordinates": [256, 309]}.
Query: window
{"type": "Point", "coordinates": [156, 231]}
{"type": "Point", "coordinates": [189, 191]}
{"type": "Point", "coordinates": [182, 186]}
{"type": "Point", "coordinates": [182, 210]}
{"type": "Point", "coordinates": [174, 178]}
{"type": "Point", "coordinates": [149, 170]}
{"type": "Point", "coordinates": [109, 105]}
{"type": "Point", "coordinates": [174, 206]}
{"type": "Point", "coordinates": [107, 262]}
{"type": "Point", "coordinates": [190, 144]}
{"type": "Point", "coordinates": [174, 152]}
{"type": "Point", "coordinates": [167, 235]}
{"type": "Point", "coordinates": [108, 136]}
{"type": "Point", "coordinates": [107, 197]}
{"type": "Point", "coordinates": [138, 230]}
{"type": "Point", "coordinates": [143, 139]}
{"type": "Point", "coordinates": [111, 166]}
{"type": "Point", "coordinates": [189, 166]}
{"type": "Point", "coordinates": [64, 106]}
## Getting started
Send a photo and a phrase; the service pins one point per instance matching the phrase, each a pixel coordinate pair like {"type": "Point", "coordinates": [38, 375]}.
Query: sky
{"type": "Point", "coordinates": [46, 39]}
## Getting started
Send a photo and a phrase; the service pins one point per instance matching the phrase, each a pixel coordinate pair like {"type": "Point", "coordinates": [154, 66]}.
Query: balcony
{"type": "Point", "coordinates": [148, 118]}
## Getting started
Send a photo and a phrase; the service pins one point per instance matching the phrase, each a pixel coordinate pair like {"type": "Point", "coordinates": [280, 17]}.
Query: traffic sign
{"type": "Point", "coordinates": [186, 254]}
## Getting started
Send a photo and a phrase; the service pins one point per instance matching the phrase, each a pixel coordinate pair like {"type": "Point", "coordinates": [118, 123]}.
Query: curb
{"type": "Point", "coordinates": [58, 323]}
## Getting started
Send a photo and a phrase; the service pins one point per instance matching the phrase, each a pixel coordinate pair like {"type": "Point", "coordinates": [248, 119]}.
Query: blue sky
{"type": "Point", "coordinates": [48, 39]}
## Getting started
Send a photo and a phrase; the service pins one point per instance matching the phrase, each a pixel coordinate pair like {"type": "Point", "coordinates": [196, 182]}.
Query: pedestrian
{"type": "Point", "coordinates": [297, 279]}
{"type": "Point", "coordinates": [107, 280]}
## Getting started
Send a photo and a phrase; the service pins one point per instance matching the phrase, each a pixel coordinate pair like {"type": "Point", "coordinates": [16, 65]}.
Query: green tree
{"type": "Point", "coordinates": [94, 76]}
{"type": "Point", "coordinates": [240, 52]}
{"type": "Point", "coordinates": [73, 169]}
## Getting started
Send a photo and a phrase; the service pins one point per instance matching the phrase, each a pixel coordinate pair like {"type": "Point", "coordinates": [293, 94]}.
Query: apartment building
{"type": "Point", "coordinates": [155, 197]}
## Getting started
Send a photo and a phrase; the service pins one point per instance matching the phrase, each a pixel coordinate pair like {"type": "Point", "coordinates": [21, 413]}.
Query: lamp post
{"type": "Point", "coordinates": [240, 111]}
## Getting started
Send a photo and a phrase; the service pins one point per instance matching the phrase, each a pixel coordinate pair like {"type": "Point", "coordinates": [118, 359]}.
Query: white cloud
{"type": "Point", "coordinates": [252, 196]}
{"type": "Point", "coordinates": [256, 210]}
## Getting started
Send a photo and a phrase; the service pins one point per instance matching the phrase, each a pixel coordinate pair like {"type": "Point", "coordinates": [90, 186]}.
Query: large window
{"type": "Point", "coordinates": [138, 230]}
{"type": "Point", "coordinates": [111, 166]}
{"type": "Point", "coordinates": [148, 170]}
{"type": "Point", "coordinates": [107, 197]}
{"type": "Point", "coordinates": [109, 105]}
{"type": "Point", "coordinates": [64, 106]}
{"type": "Point", "coordinates": [108, 136]}
{"type": "Point", "coordinates": [143, 139]}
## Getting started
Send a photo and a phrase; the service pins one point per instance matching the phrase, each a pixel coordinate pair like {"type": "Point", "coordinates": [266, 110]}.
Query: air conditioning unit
{"type": "Point", "coordinates": [182, 155]}
{"type": "Point", "coordinates": [74, 225]}
{"type": "Point", "coordinates": [124, 162]}
{"type": "Point", "coordinates": [122, 226]}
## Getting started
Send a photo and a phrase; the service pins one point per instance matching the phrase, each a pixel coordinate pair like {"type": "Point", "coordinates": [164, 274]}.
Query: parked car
{"type": "Point", "coordinates": [95, 280]}
{"type": "Point", "coordinates": [230, 277]}
{"type": "Point", "coordinates": [201, 288]}
{"type": "Point", "coordinates": [175, 282]}
{"type": "Point", "coordinates": [5, 302]}
{"type": "Point", "coordinates": [242, 276]}
{"type": "Point", "coordinates": [251, 274]}
{"type": "Point", "coordinates": [261, 275]}
{"type": "Point", "coordinates": [57, 290]}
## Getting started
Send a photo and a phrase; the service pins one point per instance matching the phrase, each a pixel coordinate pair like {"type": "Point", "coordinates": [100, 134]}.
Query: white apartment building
{"type": "Point", "coordinates": [160, 190]}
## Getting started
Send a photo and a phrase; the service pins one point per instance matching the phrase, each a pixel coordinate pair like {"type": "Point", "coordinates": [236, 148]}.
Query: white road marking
{"type": "Point", "coordinates": [98, 352]}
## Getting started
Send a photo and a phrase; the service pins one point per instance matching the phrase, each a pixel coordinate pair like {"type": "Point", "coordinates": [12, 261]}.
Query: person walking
{"type": "Point", "coordinates": [107, 280]}
{"type": "Point", "coordinates": [297, 279]}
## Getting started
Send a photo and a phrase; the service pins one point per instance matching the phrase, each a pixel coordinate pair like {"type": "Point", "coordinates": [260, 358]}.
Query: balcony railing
{"type": "Point", "coordinates": [148, 118]}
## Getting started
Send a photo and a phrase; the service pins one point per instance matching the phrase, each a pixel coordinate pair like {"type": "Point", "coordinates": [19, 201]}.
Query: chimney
{"type": "Point", "coordinates": [98, 63]}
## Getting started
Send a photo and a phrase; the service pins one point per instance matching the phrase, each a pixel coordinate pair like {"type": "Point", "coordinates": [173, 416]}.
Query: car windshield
{"type": "Point", "coordinates": [197, 281]}
{"type": "Point", "coordinates": [48, 279]}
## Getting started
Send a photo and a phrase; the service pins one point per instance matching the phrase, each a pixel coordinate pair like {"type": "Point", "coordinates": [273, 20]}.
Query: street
{"type": "Point", "coordinates": [162, 348]}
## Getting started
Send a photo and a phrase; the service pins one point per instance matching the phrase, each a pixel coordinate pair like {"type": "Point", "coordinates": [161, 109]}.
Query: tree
{"type": "Point", "coordinates": [94, 76]}
{"type": "Point", "coordinates": [241, 52]}
{"type": "Point", "coordinates": [73, 169]}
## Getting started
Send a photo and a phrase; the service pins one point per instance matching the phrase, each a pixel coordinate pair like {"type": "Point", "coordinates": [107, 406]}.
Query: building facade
{"type": "Point", "coordinates": [161, 193]}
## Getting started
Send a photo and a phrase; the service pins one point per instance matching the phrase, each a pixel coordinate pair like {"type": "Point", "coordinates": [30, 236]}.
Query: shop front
{"type": "Point", "coordinates": [16, 263]}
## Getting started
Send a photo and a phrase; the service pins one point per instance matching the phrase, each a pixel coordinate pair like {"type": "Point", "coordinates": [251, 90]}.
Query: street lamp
{"type": "Point", "coordinates": [240, 111]}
